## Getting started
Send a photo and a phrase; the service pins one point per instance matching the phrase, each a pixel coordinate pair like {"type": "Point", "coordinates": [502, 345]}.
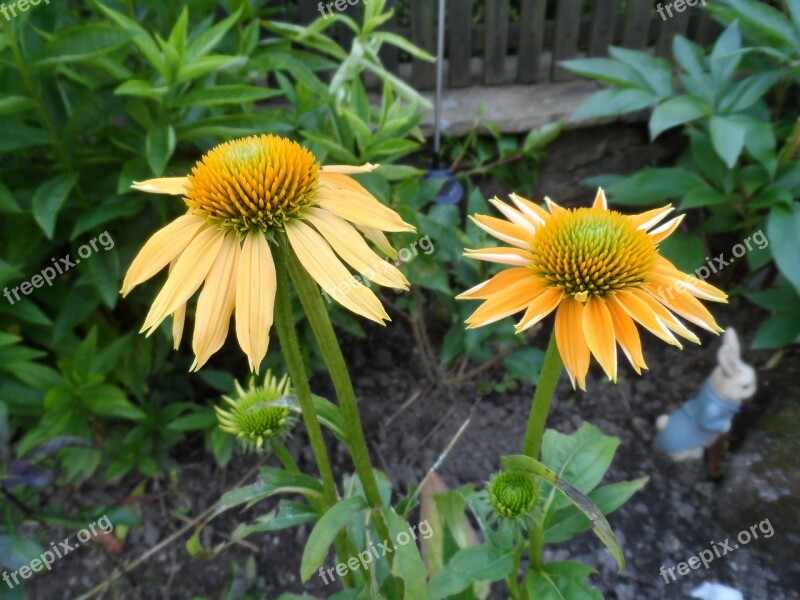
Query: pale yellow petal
{"type": "Point", "coordinates": [540, 307]}
{"type": "Point", "coordinates": [516, 297]}
{"type": "Point", "coordinates": [377, 237]}
{"type": "Point", "coordinates": [174, 186]}
{"type": "Point", "coordinates": [553, 207]}
{"type": "Point", "coordinates": [352, 248]}
{"type": "Point", "coordinates": [256, 285]}
{"type": "Point", "coordinates": [166, 244]}
{"type": "Point", "coordinates": [498, 283]}
{"type": "Point", "coordinates": [189, 273]}
{"type": "Point", "coordinates": [600, 202]}
{"type": "Point", "coordinates": [215, 303]}
{"type": "Point", "coordinates": [178, 317]}
{"type": "Point", "coordinates": [651, 218]}
{"type": "Point", "coordinates": [360, 209]}
{"type": "Point", "coordinates": [514, 216]}
{"type": "Point", "coordinates": [504, 256]}
{"type": "Point", "coordinates": [503, 230]}
{"type": "Point", "coordinates": [349, 170]}
{"type": "Point", "coordinates": [534, 212]}
{"type": "Point", "coordinates": [317, 257]}
{"type": "Point", "coordinates": [667, 229]}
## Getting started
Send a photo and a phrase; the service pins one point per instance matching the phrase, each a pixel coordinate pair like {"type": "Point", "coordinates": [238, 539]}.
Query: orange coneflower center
{"type": "Point", "coordinates": [588, 252]}
{"type": "Point", "coordinates": [258, 182]}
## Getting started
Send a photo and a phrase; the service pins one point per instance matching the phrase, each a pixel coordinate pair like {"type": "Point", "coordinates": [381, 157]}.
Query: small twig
{"type": "Point", "coordinates": [406, 404]}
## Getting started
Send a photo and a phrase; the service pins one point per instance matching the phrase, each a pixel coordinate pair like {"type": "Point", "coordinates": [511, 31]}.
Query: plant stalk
{"type": "Point", "coordinates": [542, 398]}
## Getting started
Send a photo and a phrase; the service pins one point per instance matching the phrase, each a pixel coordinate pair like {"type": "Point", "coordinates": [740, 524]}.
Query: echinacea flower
{"type": "Point", "coordinates": [244, 196]}
{"type": "Point", "coordinates": [601, 272]}
{"type": "Point", "coordinates": [254, 415]}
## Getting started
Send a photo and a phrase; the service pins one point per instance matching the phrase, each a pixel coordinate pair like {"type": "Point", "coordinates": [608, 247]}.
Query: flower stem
{"type": "Point", "coordinates": [284, 321]}
{"type": "Point", "coordinates": [320, 322]}
{"type": "Point", "coordinates": [542, 397]}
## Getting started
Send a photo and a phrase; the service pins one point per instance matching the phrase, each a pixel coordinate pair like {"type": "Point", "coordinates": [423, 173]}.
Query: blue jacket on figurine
{"type": "Point", "coordinates": [698, 422]}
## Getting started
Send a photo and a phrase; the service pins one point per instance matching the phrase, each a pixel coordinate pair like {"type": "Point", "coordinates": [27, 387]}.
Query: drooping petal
{"type": "Point", "coordinates": [570, 341]}
{"type": "Point", "coordinates": [600, 202]}
{"type": "Point", "coordinates": [503, 230]}
{"type": "Point", "coordinates": [256, 286]}
{"type": "Point", "coordinates": [216, 302]}
{"type": "Point", "coordinates": [640, 312]}
{"type": "Point", "coordinates": [377, 237]}
{"type": "Point", "coordinates": [512, 300]}
{"type": "Point", "coordinates": [696, 287]}
{"type": "Point", "coordinates": [665, 316]}
{"type": "Point", "coordinates": [174, 186]}
{"type": "Point", "coordinates": [166, 244]}
{"type": "Point", "coordinates": [319, 260]}
{"type": "Point", "coordinates": [178, 317]}
{"type": "Point", "coordinates": [679, 301]}
{"type": "Point", "coordinates": [599, 331]}
{"type": "Point", "coordinates": [627, 335]}
{"type": "Point", "coordinates": [349, 170]}
{"type": "Point", "coordinates": [651, 218]}
{"type": "Point", "coordinates": [189, 273]}
{"type": "Point", "coordinates": [540, 307]}
{"type": "Point", "coordinates": [352, 248]}
{"type": "Point", "coordinates": [554, 208]}
{"type": "Point", "coordinates": [504, 256]}
{"type": "Point", "coordinates": [360, 209]}
{"type": "Point", "coordinates": [498, 283]}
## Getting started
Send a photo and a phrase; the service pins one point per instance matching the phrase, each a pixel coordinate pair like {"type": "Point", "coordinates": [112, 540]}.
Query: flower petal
{"type": "Point", "coordinates": [513, 299]}
{"type": "Point", "coordinates": [256, 286]}
{"type": "Point", "coordinates": [666, 317]}
{"type": "Point", "coordinates": [216, 302]}
{"type": "Point", "coordinates": [174, 186]}
{"type": "Point", "coordinates": [533, 211]}
{"type": "Point", "coordinates": [504, 256]}
{"type": "Point", "coordinates": [627, 335]}
{"type": "Point", "coordinates": [640, 312]}
{"type": "Point", "coordinates": [570, 341]}
{"type": "Point", "coordinates": [349, 245]}
{"type": "Point", "coordinates": [600, 202]}
{"type": "Point", "coordinates": [178, 317]}
{"type": "Point", "coordinates": [540, 307]}
{"type": "Point", "coordinates": [348, 170]}
{"type": "Point", "coordinates": [503, 230]}
{"type": "Point", "coordinates": [696, 287]}
{"type": "Point", "coordinates": [318, 259]}
{"type": "Point", "coordinates": [673, 296]}
{"type": "Point", "coordinates": [498, 283]}
{"type": "Point", "coordinates": [599, 331]}
{"type": "Point", "coordinates": [514, 216]}
{"type": "Point", "coordinates": [553, 207]}
{"type": "Point", "coordinates": [667, 229]}
{"type": "Point", "coordinates": [356, 206]}
{"type": "Point", "coordinates": [377, 237]}
{"type": "Point", "coordinates": [188, 274]}
{"type": "Point", "coordinates": [646, 220]}
{"type": "Point", "coordinates": [163, 247]}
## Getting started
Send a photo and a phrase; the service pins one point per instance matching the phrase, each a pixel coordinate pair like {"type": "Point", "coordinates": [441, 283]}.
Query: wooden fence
{"type": "Point", "coordinates": [522, 41]}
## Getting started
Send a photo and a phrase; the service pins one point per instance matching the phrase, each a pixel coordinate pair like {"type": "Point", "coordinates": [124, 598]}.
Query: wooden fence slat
{"type": "Point", "coordinates": [637, 24]}
{"type": "Point", "coordinates": [677, 24]}
{"type": "Point", "coordinates": [531, 40]}
{"type": "Point", "coordinates": [494, 59]}
{"type": "Point", "coordinates": [459, 30]}
{"type": "Point", "coordinates": [390, 55]}
{"type": "Point", "coordinates": [565, 44]}
{"type": "Point", "coordinates": [604, 17]}
{"type": "Point", "coordinates": [423, 34]}
{"type": "Point", "coordinates": [308, 10]}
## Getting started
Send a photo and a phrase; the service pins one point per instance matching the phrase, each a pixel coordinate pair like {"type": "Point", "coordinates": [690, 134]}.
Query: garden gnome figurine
{"type": "Point", "coordinates": [700, 421]}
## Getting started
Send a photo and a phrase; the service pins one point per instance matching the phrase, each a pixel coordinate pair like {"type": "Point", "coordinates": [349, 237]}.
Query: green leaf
{"type": "Point", "coordinates": [599, 523]}
{"type": "Point", "coordinates": [319, 541]}
{"type": "Point", "coordinates": [82, 42]}
{"type": "Point", "coordinates": [689, 56]}
{"type": "Point", "coordinates": [768, 22]}
{"type": "Point", "coordinates": [109, 401]}
{"type": "Point", "coordinates": [566, 522]}
{"type": "Point", "coordinates": [539, 137]}
{"type": "Point", "coordinates": [676, 111]}
{"type": "Point", "coordinates": [726, 55]}
{"type": "Point", "coordinates": [650, 186]}
{"type": "Point", "coordinates": [778, 330]}
{"type": "Point", "coordinates": [614, 101]}
{"type": "Point", "coordinates": [686, 251]}
{"type": "Point", "coordinates": [10, 105]}
{"type": "Point", "coordinates": [561, 581]}
{"type": "Point", "coordinates": [206, 64]}
{"type": "Point", "coordinates": [160, 146]}
{"type": "Point", "coordinates": [783, 225]}
{"type": "Point", "coordinates": [747, 92]}
{"type": "Point", "coordinates": [222, 446]}
{"type": "Point", "coordinates": [211, 37]}
{"type": "Point", "coordinates": [703, 196]}
{"type": "Point", "coordinates": [476, 563]}
{"type": "Point", "coordinates": [226, 94]}
{"type": "Point", "coordinates": [48, 200]}
{"type": "Point", "coordinates": [140, 88]}
{"type": "Point", "coordinates": [8, 204]}
{"type": "Point", "coordinates": [408, 564]}
{"type": "Point", "coordinates": [656, 72]}
{"type": "Point", "coordinates": [728, 136]}
{"type": "Point", "coordinates": [606, 70]}
{"type": "Point", "coordinates": [201, 419]}
{"type": "Point", "coordinates": [15, 135]}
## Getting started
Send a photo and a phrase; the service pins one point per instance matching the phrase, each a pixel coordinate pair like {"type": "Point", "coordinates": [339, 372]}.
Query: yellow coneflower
{"type": "Point", "coordinates": [243, 196]}
{"type": "Point", "coordinates": [601, 269]}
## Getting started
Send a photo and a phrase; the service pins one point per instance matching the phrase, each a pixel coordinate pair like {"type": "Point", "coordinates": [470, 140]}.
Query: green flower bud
{"type": "Point", "coordinates": [512, 494]}
{"type": "Point", "coordinates": [255, 415]}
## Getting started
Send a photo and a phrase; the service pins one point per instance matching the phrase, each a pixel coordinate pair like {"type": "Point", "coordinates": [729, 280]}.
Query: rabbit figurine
{"type": "Point", "coordinates": [697, 424]}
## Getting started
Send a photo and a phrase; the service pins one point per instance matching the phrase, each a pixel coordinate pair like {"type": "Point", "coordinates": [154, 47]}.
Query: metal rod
{"type": "Point", "coordinates": [437, 141]}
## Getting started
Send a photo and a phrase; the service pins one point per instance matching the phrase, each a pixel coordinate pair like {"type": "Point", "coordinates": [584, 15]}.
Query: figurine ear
{"type": "Point", "coordinates": [728, 355]}
{"type": "Point", "coordinates": [731, 339]}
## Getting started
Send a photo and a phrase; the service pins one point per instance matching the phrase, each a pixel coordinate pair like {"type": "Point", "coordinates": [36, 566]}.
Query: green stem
{"type": "Point", "coordinates": [542, 397]}
{"type": "Point", "coordinates": [284, 321]}
{"type": "Point", "coordinates": [320, 322]}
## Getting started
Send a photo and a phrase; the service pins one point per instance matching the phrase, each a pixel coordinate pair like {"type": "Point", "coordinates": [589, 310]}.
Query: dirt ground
{"type": "Point", "coordinates": [672, 519]}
